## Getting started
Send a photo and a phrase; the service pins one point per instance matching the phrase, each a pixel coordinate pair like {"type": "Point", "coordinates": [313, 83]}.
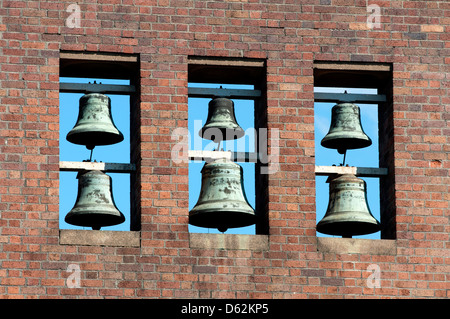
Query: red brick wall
{"type": "Point", "coordinates": [290, 36]}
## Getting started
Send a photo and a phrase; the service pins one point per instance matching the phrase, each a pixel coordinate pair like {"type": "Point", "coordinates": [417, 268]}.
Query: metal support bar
{"type": "Point", "coordinates": [229, 93]}
{"type": "Point", "coordinates": [358, 171]}
{"type": "Point", "coordinates": [232, 156]}
{"type": "Point", "coordinates": [106, 167]}
{"type": "Point", "coordinates": [349, 97]}
{"type": "Point", "coordinates": [96, 88]}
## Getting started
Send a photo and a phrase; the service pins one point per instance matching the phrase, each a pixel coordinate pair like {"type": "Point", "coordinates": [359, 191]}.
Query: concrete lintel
{"type": "Point", "coordinates": [98, 56]}
{"type": "Point", "coordinates": [100, 166]}
{"type": "Point", "coordinates": [99, 238]}
{"type": "Point", "coordinates": [356, 246]}
{"type": "Point", "coordinates": [250, 157]}
{"type": "Point", "coordinates": [226, 62]}
{"type": "Point", "coordinates": [357, 171]}
{"type": "Point", "coordinates": [360, 66]}
{"type": "Point", "coordinates": [228, 241]}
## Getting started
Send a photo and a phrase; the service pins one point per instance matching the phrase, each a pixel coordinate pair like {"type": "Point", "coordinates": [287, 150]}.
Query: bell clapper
{"type": "Point", "coordinates": [92, 150]}
{"type": "Point", "coordinates": [345, 153]}
{"type": "Point", "coordinates": [222, 229]}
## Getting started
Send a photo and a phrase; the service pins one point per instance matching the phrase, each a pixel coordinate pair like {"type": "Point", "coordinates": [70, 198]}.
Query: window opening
{"type": "Point", "coordinates": [115, 153]}
{"type": "Point", "coordinates": [244, 113]}
{"type": "Point", "coordinates": [361, 157]}
{"type": "Point", "coordinates": [244, 81]}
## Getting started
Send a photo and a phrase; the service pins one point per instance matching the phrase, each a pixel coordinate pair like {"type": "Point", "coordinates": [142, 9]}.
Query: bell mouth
{"type": "Point", "coordinates": [348, 229]}
{"type": "Point", "coordinates": [222, 220]}
{"type": "Point", "coordinates": [96, 138]}
{"type": "Point", "coordinates": [94, 219]}
{"type": "Point", "coordinates": [345, 143]}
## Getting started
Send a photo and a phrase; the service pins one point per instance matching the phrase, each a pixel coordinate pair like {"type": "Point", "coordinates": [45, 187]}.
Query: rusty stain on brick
{"type": "Point", "coordinates": [204, 269]}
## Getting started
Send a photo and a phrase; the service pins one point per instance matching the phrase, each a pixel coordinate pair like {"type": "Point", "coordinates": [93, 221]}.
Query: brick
{"type": "Point", "coordinates": [432, 28]}
{"type": "Point", "coordinates": [290, 87]}
{"type": "Point", "coordinates": [359, 26]}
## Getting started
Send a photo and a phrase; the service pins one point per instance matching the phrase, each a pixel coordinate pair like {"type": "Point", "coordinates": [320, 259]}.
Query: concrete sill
{"type": "Point", "coordinates": [356, 246]}
{"type": "Point", "coordinates": [228, 241]}
{"type": "Point", "coordinates": [99, 238]}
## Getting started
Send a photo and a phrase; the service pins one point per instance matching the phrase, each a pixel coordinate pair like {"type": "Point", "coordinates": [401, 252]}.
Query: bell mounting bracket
{"type": "Point", "coordinates": [96, 88]}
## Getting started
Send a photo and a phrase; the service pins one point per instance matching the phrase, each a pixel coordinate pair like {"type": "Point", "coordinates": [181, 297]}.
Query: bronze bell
{"type": "Point", "coordinates": [94, 206]}
{"type": "Point", "coordinates": [221, 122]}
{"type": "Point", "coordinates": [345, 130]}
{"type": "Point", "coordinates": [94, 125]}
{"type": "Point", "coordinates": [348, 212]}
{"type": "Point", "coordinates": [222, 203]}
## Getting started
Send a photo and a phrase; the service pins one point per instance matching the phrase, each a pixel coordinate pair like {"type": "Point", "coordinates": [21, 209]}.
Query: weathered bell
{"type": "Point", "coordinates": [222, 203]}
{"type": "Point", "coordinates": [94, 206]}
{"type": "Point", "coordinates": [348, 212]}
{"type": "Point", "coordinates": [221, 122]}
{"type": "Point", "coordinates": [345, 130]}
{"type": "Point", "coordinates": [94, 125]}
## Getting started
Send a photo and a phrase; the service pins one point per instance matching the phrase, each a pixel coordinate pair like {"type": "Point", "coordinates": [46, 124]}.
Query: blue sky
{"type": "Point", "coordinates": [198, 108]}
